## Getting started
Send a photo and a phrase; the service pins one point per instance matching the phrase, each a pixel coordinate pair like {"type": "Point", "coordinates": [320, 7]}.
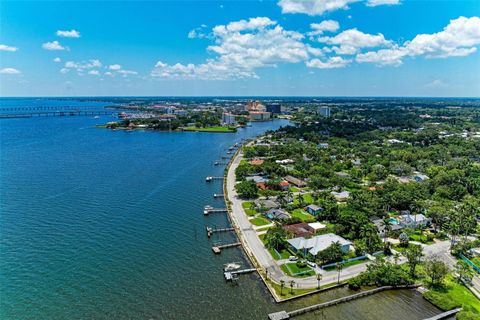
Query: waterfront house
{"type": "Point", "coordinates": [300, 229]}
{"type": "Point", "coordinates": [414, 221]}
{"type": "Point", "coordinates": [419, 177]}
{"type": "Point", "coordinates": [317, 226]}
{"type": "Point", "coordinates": [317, 244]}
{"type": "Point", "coordinates": [314, 209]}
{"type": "Point", "coordinates": [277, 214]}
{"type": "Point", "coordinates": [267, 203]}
{"type": "Point", "coordinates": [257, 179]}
{"type": "Point", "coordinates": [295, 181]}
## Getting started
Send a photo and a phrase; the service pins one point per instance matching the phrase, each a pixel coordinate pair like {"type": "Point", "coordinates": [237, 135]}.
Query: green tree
{"type": "Point", "coordinates": [333, 253]}
{"type": "Point", "coordinates": [436, 270]}
{"type": "Point", "coordinates": [276, 237]}
{"type": "Point", "coordinates": [339, 268]}
{"type": "Point", "coordinates": [464, 272]}
{"type": "Point", "coordinates": [247, 190]}
{"type": "Point", "coordinates": [414, 254]}
{"type": "Point", "coordinates": [292, 283]}
{"type": "Point", "coordinates": [282, 284]}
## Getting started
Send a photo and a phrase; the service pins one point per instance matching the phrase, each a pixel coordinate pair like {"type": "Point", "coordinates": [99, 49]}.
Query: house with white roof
{"type": "Point", "coordinates": [414, 220]}
{"type": "Point", "coordinates": [317, 244]}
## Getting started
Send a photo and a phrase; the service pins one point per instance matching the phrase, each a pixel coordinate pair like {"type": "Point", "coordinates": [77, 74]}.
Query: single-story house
{"type": "Point", "coordinates": [284, 161]}
{"type": "Point", "coordinates": [317, 226]}
{"type": "Point", "coordinates": [381, 225]}
{"type": "Point", "coordinates": [284, 185]}
{"type": "Point", "coordinates": [342, 174]}
{"type": "Point", "coordinates": [277, 214]}
{"type": "Point", "coordinates": [256, 162]}
{"type": "Point", "coordinates": [341, 196]}
{"type": "Point", "coordinates": [295, 181]}
{"type": "Point", "coordinates": [314, 209]}
{"type": "Point", "coordinates": [317, 244]}
{"type": "Point", "coordinates": [267, 203]}
{"type": "Point", "coordinates": [257, 179]}
{"type": "Point", "coordinates": [323, 145]}
{"type": "Point", "coordinates": [419, 177]}
{"type": "Point", "coordinates": [300, 229]}
{"type": "Point", "coordinates": [414, 220]}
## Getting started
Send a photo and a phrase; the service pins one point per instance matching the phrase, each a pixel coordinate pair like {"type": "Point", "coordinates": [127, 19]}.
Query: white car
{"type": "Point", "coordinates": [292, 258]}
{"type": "Point", "coordinates": [312, 264]}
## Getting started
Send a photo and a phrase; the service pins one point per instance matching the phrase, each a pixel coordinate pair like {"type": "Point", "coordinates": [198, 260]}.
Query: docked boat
{"type": "Point", "coordinates": [231, 266]}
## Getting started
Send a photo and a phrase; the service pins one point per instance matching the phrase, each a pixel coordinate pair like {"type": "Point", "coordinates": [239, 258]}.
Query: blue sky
{"type": "Point", "coordinates": [241, 48]}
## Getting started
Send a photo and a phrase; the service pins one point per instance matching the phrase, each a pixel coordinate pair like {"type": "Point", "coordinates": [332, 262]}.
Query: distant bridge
{"type": "Point", "coordinates": [56, 114]}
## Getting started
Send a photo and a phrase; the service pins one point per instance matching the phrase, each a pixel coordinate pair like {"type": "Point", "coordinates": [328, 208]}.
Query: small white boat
{"type": "Point", "coordinates": [96, 117]}
{"type": "Point", "coordinates": [231, 266]}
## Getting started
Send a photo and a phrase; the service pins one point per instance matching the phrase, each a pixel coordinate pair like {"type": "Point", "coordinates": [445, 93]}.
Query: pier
{"type": "Point", "coordinates": [209, 209]}
{"type": "Point", "coordinates": [211, 231]}
{"type": "Point", "coordinates": [282, 315]}
{"type": "Point", "coordinates": [232, 275]}
{"type": "Point", "coordinates": [445, 315]}
{"type": "Point", "coordinates": [210, 178]}
{"type": "Point", "coordinates": [217, 249]}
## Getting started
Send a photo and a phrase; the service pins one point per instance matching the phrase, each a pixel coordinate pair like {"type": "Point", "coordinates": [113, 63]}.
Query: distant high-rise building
{"type": "Point", "coordinates": [324, 111]}
{"type": "Point", "coordinates": [228, 118]}
{"type": "Point", "coordinates": [259, 115]}
{"type": "Point", "coordinates": [274, 108]}
{"type": "Point", "coordinates": [255, 106]}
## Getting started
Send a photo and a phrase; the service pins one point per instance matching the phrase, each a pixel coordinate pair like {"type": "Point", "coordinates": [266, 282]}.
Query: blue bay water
{"type": "Point", "coordinates": [98, 224]}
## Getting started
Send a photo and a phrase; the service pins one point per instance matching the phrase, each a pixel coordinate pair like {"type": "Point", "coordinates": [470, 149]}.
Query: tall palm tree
{"type": "Point", "coordinates": [282, 284]}
{"type": "Point", "coordinates": [339, 268]}
{"type": "Point", "coordinates": [387, 227]}
{"type": "Point", "coordinates": [292, 283]}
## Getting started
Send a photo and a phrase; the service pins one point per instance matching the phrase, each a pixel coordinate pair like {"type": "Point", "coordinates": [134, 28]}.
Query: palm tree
{"type": "Point", "coordinates": [282, 284]}
{"type": "Point", "coordinates": [319, 278]}
{"type": "Point", "coordinates": [292, 283]}
{"type": "Point", "coordinates": [387, 227]}
{"type": "Point", "coordinates": [339, 267]}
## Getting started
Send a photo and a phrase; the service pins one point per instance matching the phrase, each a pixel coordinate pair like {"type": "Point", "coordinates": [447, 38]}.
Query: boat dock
{"type": "Point", "coordinates": [209, 209]}
{"type": "Point", "coordinates": [232, 275]}
{"type": "Point", "coordinates": [210, 178]}
{"type": "Point", "coordinates": [211, 231]}
{"type": "Point", "coordinates": [217, 249]}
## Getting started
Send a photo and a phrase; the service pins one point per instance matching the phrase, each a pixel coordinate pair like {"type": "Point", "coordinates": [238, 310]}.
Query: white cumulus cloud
{"type": "Point", "coordinates": [351, 40]}
{"type": "Point", "coordinates": [9, 71]}
{"type": "Point", "coordinates": [313, 7]}
{"type": "Point", "coordinates": [68, 34]}
{"type": "Point", "coordinates": [57, 59]}
{"type": "Point", "coordinates": [324, 26]}
{"type": "Point", "coordinates": [459, 38]}
{"type": "Point", "coordinates": [114, 67]}
{"type": "Point", "coordinates": [330, 63]}
{"type": "Point", "coordinates": [53, 45]}
{"type": "Point", "coordinates": [374, 3]}
{"type": "Point", "coordinates": [241, 47]}
{"type": "Point", "coordinates": [94, 72]}
{"type": "Point", "coordinates": [4, 47]}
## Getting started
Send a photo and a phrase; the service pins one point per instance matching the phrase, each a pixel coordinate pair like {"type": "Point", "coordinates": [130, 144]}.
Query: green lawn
{"type": "Point", "coordinates": [293, 270]}
{"type": "Point", "coordinates": [304, 216]}
{"type": "Point", "coordinates": [283, 254]}
{"type": "Point", "coordinates": [455, 295]}
{"type": "Point", "coordinates": [211, 129]}
{"type": "Point", "coordinates": [476, 260]}
{"type": "Point", "coordinates": [259, 221]}
{"type": "Point", "coordinates": [349, 264]}
{"type": "Point", "coordinates": [307, 197]}
{"type": "Point", "coordinates": [247, 208]}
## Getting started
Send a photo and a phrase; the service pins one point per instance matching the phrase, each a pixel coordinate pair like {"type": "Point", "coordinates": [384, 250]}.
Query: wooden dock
{"type": "Point", "coordinates": [232, 275]}
{"type": "Point", "coordinates": [282, 315]}
{"type": "Point", "coordinates": [210, 178]}
{"type": "Point", "coordinates": [209, 209]}
{"type": "Point", "coordinates": [211, 231]}
{"type": "Point", "coordinates": [217, 249]}
{"type": "Point", "coordinates": [445, 315]}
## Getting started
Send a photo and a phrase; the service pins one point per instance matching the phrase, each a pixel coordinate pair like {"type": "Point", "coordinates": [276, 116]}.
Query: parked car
{"type": "Point", "coordinates": [312, 264]}
{"type": "Point", "coordinates": [292, 258]}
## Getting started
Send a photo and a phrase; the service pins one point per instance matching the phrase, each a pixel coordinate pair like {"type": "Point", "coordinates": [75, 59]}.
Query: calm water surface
{"type": "Point", "coordinates": [97, 224]}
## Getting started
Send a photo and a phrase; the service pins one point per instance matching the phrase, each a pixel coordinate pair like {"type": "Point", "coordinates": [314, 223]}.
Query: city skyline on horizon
{"type": "Point", "coordinates": [284, 48]}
